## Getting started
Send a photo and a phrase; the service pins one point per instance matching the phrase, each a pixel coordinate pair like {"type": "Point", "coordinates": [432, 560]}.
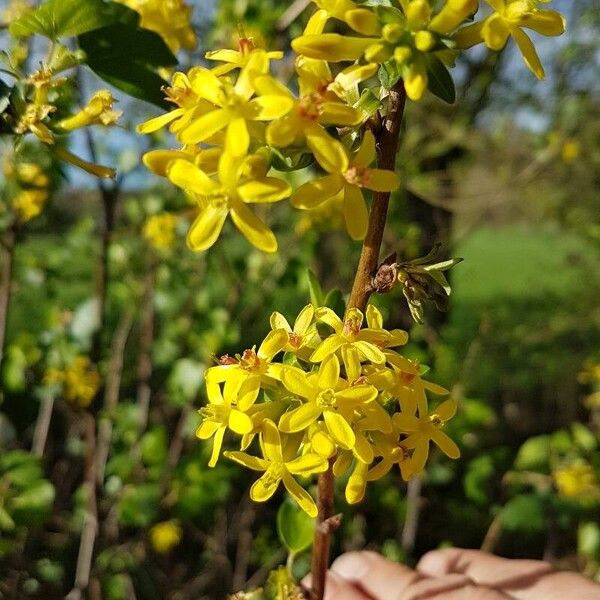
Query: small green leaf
{"type": "Point", "coordinates": [534, 454]}
{"type": "Point", "coordinates": [139, 505]}
{"type": "Point", "coordinates": [588, 540]}
{"type": "Point", "coordinates": [525, 513]}
{"type": "Point", "coordinates": [335, 300]}
{"type": "Point", "coordinates": [64, 18]}
{"type": "Point", "coordinates": [441, 83]}
{"type": "Point", "coordinates": [295, 527]}
{"type": "Point", "coordinates": [33, 505]}
{"type": "Point", "coordinates": [290, 161]}
{"type": "Point", "coordinates": [389, 74]}
{"type": "Point", "coordinates": [317, 297]}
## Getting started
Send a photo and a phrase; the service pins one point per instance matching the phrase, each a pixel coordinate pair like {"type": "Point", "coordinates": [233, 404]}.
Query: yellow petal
{"type": "Point", "coordinates": [495, 32]}
{"type": "Point", "coordinates": [362, 449]}
{"type": "Point", "coordinates": [307, 464]}
{"type": "Point", "coordinates": [415, 80]}
{"type": "Point", "coordinates": [216, 449]}
{"type": "Point", "coordinates": [419, 457]}
{"type": "Point", "coordinates": [362, 20]}
{"type": "Point", "coordinates": [357, 482]}
{"type": "Point", "coordinates": [283, 132]}
{"type": "Point", "coordinates": [300, 495]}
{"type": "Point", "coordinates": [331, 47]}
{"type": "Point", "coordinates": [339, 429]}
{"type": "Point", "coordinates": [382, 180]}
{"type": "Point", "coordinates": [469, 36]}
{"type": "Point", "coordinates": [304, 319]}
{"type": "Point", "coordinates": [267, 108]}
{"type": "Point", "coordinates": [187, 176]}
{"type": "Point", "coordinates": [206, 84]}
{"type": "Point", "coordinates": [237, 140]}
{"type": "Point", "coordinates": [374, 317]}
{"type": "Point", "coordinates": [546, 22]}
{"type": "Point", "coordinates": [530, 56]}
{"type": "Point", "coordinates": [300, 418]}
{"type": "Point", "coordinates": [336, 113]}
{"type": "Point", "coordinates": [207, 429]}
{"type": "Point", "coordinates": [252, 228]}
{"type": "Point", "coordinates": [159, 122]}
{"type": "Point", "coordinates": [370, 352]}
{"type": "Point", "coordinates": [446, 410]}
{"type": "Point", "coordinates": [269, 189]}
{"type": "Point", "coordinates": [329, 373]}
{"type": "Point", "coordinates": [406, 423]}
{"type": "Point", "coordinates": [248, 461]}
{"type": "Point", "coordinates": [206, 228]}
{"type": "Point", "coordinates": [322, 444]}
{"type": "Point", "coordinates": [313, 193]}
{"type": "Point", "coordinates": [356, 394]}
{"type": "Point", "coordinates": [366, 152]}
{"type": "Point", "coordinates": [157, 161]}
{"type": "Point", "coordinates": [271, 442]}
{"type": "Point", "coordinates": [351, 362]}
{"type": "Point", "coordinates": [272, 344]}
{"type": "Point", "coordinates": [265, 487]}
{"type": "Point", "coordinates": [316, 23]}
{"type": "Point", "coordinates": [327, 347]}
{"type": "Point", "coordinates": [258, 64]}
{"type": "Point", "coordinates": [278, 321]}
{"type": "Point", "coordinates": [342, 463]}
{"type": "Point", "coordinates": [240, 422]}
{"type": "Point", "coordinates": [248, 392]}
{"type": "Point", "coordinates": [379, 470]}
{"type": "Point", "coordinates": [205, 126]}
{"type": "Point", "coordinates": [330, 153]}
{"type": "Point", "coordinates": [356, 215]}
{"type": "Point", "coordinates": [324, 314]}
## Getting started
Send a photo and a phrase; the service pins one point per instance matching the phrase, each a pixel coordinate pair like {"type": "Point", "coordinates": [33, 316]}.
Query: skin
{"type": "Point", "coordinates": [452, 574]}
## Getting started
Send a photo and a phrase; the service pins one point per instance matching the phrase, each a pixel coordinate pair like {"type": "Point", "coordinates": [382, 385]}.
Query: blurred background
{"type": "Point", "coordinates": [507, 178]}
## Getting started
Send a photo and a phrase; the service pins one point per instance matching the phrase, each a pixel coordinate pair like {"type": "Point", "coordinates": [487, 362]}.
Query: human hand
{"type": "Point", "coordinates": [453, 574]}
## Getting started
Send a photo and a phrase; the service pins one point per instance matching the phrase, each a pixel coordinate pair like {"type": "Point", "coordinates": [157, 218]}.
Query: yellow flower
{"type": "Point", "coordinates": [165, 536]}
{"type": "Point", "coordinates": [233, 106]}
{"type": "Point", "coordinates": [279, 466]}
{"type": "Point", "coordinates": [348, 180]}
{"type": "Point", "coordinates": [159, 230]}
{"type": "Point", "coordinates": [98, 111]}
{"type": "Point", "coordinates": [206, 159]}
{"type": "Point", "coordinates": [324, 398]}
{"type": "Point", "coordinates": [576, 481]}
{"type": "Point", "coordinates": [570, 151]}
{"type": "Point", "coordinates": [32, 120]}
{"type": "Point", "coordinates": [307, 121]}
{"type": "Point", "coordinates": [231, 194]}
{"type": "Point", "coordinates": [250, 370]}
{"type": "Point", "coordinates": [32, 174]}
{"type": "Point", "coordinates": [303, 332]}
{"type": "Point", "coordinates": [423, 429]}
{"type": "Point", "coordinates": [392, 452]}
{"type": "Point", "coordinates": [359, 18]}
{"type": "Point", "coordinates": [169, 18]}
{"type": "Point", "coordinates": [221, 413]}
{"type": "Point", "coordinates": [238, 59]}
{"type": "Point", "coordinates": [80, 381]}
{"type": "Point", "coordinates": [28, 204]}
{"type": "Point", "coordinates": [509, 19]}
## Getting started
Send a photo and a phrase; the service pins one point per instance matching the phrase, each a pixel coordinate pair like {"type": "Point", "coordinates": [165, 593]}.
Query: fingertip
{"type": "Point", "coordinates": [352, 565]}
{"type": "Point", "coordinates": [437, 562]}
{"type": "Point", "coordinates": [335, 588]}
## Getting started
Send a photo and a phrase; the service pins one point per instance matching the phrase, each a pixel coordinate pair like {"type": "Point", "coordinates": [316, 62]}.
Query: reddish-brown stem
{"type": "Point", "coordinates": [386, 136]}
{"type": "Point", "coordinates": [387, 146]}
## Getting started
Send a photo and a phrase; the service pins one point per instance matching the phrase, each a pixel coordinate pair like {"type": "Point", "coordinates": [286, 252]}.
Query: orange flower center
{"type": "Point", "coordinates": [309, 107]}
{"type": "Point", "coordinates": [359, 176]}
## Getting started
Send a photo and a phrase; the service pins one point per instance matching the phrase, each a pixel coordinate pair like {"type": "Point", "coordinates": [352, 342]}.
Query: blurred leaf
{"type": "Point", "coordinates": [185, 381]}
{"type": "Point", "coordinates": [583, 437]}
{"type": "Point", "coordinates": [50, 570]}
{"type": "Point", "coordinates": [294, 527]}
{"type": "Point", "coordinates": [335, 300]}
{"type": "Point", "coordinates": [6, 521]}
{"type": "Point", "coordinates": [154, 446]}
{"type": "Point", "coordinates": [476, 481]}
{"type": "Point", "coordinates": [33, 505]}
{"type": "Point", "coordinates": [145, 50]}
{"type": "Point", "coordinates": [525, 513]}
{"type": "Point", "coordinates": [534, 454]}
{"type": "Point", "coordinates": [588, 540]}
{"type": "Point", "coordinates": [139, 505]}
{"type": "Point", "coordinates": [58, 18]}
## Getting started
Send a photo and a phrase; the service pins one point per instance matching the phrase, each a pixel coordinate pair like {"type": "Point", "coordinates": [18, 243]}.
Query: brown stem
{"type": "Point", "coordinates": [413, 510]}
{"type": "Point", "coordinates": [322, 538]}
{"type": "Point", "coordinates": [42, 424]}
{"type": "Point", "coordinates": [386, 137]}
{"type": "Point", "coordinates": [7, 246]}
{"type": "Point", "coordinates": [387, 146]}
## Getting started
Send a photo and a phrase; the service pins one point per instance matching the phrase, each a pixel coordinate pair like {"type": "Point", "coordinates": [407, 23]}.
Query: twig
{"type": "Point", "coordinates": [7, 246]}
{"type": "Point", "coordinates": [387, 146]}
{"type": "Point", "coordinates": [175, 450]}
{"type": "Point", "coordinates": [492, 535]}
{"type": "Point", "coordinates": [42, 424]}
{"type": "Point", "coordinates": [413, 511]}
{"type": "Point", "coordinates": [294, 10]}
{"type": "Point", "coordinates": [111, 393]}
{"type": "Point", "coordinates": [323, 530]}
{"type": "Point", "coordinates": [90, 522]}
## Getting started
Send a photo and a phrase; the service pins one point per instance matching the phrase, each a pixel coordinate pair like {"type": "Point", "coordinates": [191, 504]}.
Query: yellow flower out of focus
{"type": "Point", "coordinates": [28, 204]}
{"type": "Point", "coordinates": [79, 380]}
{"type": "Point", "coordinates": [570, 151]}
{"type": "Point", "coordinates": [165, 536]}
{"type": "Point", "coordinates": [159, 230]}
{"type": "Point", "coordinates": [577, 481]}
{"type": "Point", "coordinates": [169, 18]}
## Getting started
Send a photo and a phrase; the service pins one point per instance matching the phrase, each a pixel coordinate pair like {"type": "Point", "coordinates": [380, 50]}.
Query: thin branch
{"type": "Point", "coordinates": [294, 10]}
{"type": "Point", "coordinates": [42, 424]}
{"type": "Point", "coordinates": [387, 146]}
{"type": "Point", "coordinates": [111, 393]}
{"type": "Point", "coordinates": [413, 511]}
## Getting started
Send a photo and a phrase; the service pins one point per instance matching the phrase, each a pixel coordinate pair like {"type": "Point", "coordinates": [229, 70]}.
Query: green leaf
{"type": "Point", "coordinates": [154, 447]}
{"type": "Point", "coordinates": [583, 437]}
{"type": "Point", "coordinates": [525, 513]}
{"type": "Point", "coordinates": [588, 540]}
{"type": "Point", "coordinates": [64, 18]}
{"type": "Point", "coordinates": [335, 300]}
{"type": "Point", "coordinates": [32, 506]}
{"type": "Point", "coordinates": [533, 455]}
{"type": "Point", "coordinates": [317, 297]}
{"type": "Point", "coordinates": [389, 74]}
{"type": "Point", "coordinates": [139, 505]}
{"type": "Point", "coordinates": [440, 83]}
{"type": "Point", "coordinates": [290, 161]}
{"type": "Point", "coordinates": [477, 478]}
{"type": "Point", "coordinates": [295, 527]}
{"type": "Point", "coordinates": [145, 50]}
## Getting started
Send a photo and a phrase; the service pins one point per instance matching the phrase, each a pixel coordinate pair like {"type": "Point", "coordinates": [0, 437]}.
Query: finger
{"type": "Point", "coordinates": [336, 588]}
{"type": "Point", "coordinates": [376, 576]}
{"type": "Point", "coordinates": [518, 577]}
{"type": "Point", "coordinates": [468, 592]}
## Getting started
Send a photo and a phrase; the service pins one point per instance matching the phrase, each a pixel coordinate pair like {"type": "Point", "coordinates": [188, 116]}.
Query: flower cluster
{"type": "Point", "coordinates": [27, 185]}
{"type": "Point", "coordinates": [236, 121]}
{"type": "Point", "coordinates": [79, 381]}
{"type": "Point", "coordinates": [342, 393]}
